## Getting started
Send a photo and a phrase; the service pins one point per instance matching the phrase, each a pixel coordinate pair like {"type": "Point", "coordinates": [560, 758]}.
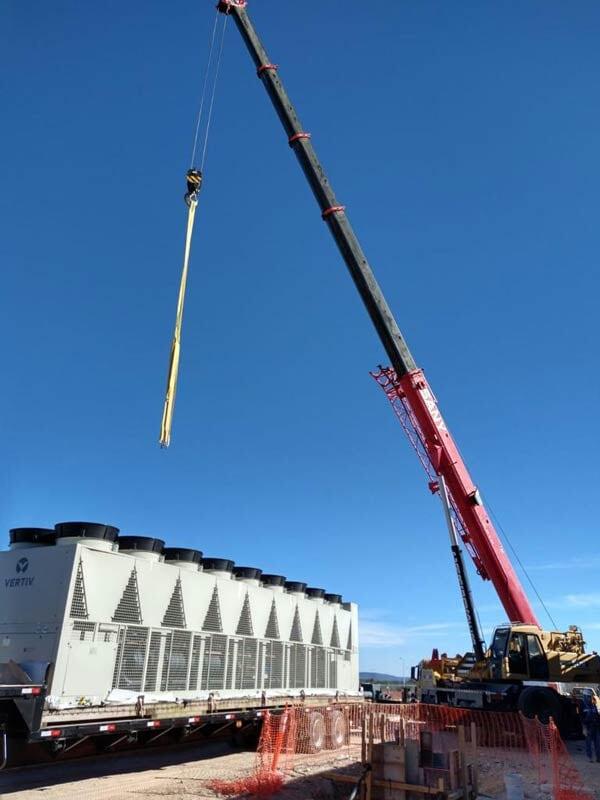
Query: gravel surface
{"type": "Point", "coordinates": [172, 773]}
{"type": "Point", "coordinates": [185, 774]}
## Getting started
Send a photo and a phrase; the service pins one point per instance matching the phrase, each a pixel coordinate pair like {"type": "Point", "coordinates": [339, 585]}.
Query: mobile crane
{"type": "Point", "coordinates": [521, 652]}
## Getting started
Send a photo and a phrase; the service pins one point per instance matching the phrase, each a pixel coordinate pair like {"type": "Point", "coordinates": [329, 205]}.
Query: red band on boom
{"type": "Point", "coordinates": [297, 136]}
{"type": "Point", "coordinates": [332, 210]}
{"type": "Point", "coordinates": [265, 67]}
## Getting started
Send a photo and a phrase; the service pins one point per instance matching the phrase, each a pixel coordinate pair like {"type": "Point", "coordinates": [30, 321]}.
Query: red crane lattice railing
{"type": "Point", "coordinates": [385, 377]}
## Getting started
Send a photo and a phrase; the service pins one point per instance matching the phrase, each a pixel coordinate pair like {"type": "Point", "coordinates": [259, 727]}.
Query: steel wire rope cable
{"type": "Point", "coordinates": [214, 89]}
{"type": "Point", "coordinates": [519, 562]}
{"type": "Point", "coordinates": [204, 85]}
{"type": "Point", "coordinates": [194, 182]}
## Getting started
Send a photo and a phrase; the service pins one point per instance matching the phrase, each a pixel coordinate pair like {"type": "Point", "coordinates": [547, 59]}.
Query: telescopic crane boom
{"type": "Point", "coordinates": [405, 383]}
{"type": "Point", "coordinates": [461, 573]}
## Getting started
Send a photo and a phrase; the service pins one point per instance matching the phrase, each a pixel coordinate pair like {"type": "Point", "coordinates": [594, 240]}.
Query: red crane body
{"type": "Point", "coordinates": [417, 408]}
{"type": "Point", "coordinates": [404, 384]}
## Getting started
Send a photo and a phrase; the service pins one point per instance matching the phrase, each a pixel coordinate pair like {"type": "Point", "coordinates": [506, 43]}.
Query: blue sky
{"type": "Point", "coordinates": [463, 139]}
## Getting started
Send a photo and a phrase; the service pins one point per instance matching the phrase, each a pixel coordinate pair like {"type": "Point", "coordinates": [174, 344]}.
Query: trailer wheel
{"type": "Point", "coordinates": [311, 735]}
{"type": "Point", "coordinates": [542, 703]}
{"type": "Point", "coordinates": [336, 729]}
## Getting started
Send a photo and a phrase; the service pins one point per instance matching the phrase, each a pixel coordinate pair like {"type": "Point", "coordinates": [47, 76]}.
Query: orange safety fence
{"type": "Point", "coordinates": [303, 740]}
{"type": "Point", "coordinates": [556, 768]}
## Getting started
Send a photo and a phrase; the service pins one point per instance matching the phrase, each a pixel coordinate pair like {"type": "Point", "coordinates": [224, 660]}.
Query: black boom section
{"type": "Point", "coordinates": [332, 212]}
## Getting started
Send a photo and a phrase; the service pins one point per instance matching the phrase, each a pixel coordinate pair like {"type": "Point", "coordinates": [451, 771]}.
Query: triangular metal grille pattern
{"type": "Point", "coordinates": [349, 642]}
{"type": "Point", "coordinates": [245, 627]}
{"type": "Point", "coordinates": [296, 634]}
{"type": "Point", "coordinates": [335, 634]}
{"type": "Point", "coordinates": [79, 608]}
{"type": "Point", "coordinates": [212, 620]}
{"type": "Point", "coordinates": [272, 631]}
{"type": "Point", "coordinates": [317, 637]}
{"type": "Point", "coordinates": [175, 613]}
{"type": "Point", "coordinates": [129, 609]}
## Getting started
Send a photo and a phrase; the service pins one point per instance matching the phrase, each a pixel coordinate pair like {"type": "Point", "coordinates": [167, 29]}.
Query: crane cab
{"type": "Point", "coordinates": [517, 652]}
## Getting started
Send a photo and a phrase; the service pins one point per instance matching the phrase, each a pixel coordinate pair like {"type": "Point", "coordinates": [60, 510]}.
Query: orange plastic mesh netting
{"type": "Point", "coordinates": [304, 739]}
{"type": "Point", "coordinates": [555, 765]}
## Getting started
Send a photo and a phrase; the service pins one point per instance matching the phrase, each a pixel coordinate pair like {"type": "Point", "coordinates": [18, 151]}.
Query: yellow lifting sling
{"type": "Point", "coordinates": [194, 181]}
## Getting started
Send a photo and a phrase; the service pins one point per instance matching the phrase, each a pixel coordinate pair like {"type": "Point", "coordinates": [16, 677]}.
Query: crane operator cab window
{"type": "Point", "coordinates": [517, 655]}
{"type": "Point", "coordinates": [538, 663]}
{"type": "Point", "coordinates": [526, 657]}
{"type": "Point", "coordinates": [497, 652]}
{"type": "Point", "coordinates": [521, 654]}
{"type": "Point", "coordinates": [498, 646]}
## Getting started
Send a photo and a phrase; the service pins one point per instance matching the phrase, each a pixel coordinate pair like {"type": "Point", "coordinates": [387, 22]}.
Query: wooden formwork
{"type": "Point", "coordinates": [440, 763]}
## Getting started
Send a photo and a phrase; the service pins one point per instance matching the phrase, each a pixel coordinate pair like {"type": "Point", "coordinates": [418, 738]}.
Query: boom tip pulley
{"type": "Point", "coordinates": [225, 6]}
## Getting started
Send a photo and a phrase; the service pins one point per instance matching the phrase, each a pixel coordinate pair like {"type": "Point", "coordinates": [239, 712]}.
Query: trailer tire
{"type": "Point", "coordinates": [312, 733]}
{"type": "Point", "coordinates": [537, 701]}
{"type": "Point", "coordinates": [336, 730]}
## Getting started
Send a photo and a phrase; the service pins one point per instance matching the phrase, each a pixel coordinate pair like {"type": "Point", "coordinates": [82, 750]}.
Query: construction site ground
{"type": "Point", "coordinates": [187, 773]}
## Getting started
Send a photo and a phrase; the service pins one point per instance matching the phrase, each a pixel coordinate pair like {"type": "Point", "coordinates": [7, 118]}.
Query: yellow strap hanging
{"type": "Point", "coordinates": [167, 417]}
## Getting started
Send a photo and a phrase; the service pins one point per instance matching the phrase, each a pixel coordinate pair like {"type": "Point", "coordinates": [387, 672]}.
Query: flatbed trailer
{"type": "Point", "coordinates": [106, 728]}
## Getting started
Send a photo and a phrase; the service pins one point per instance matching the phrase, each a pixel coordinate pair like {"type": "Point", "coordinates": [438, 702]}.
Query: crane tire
{"type": "Point", "coordinates": [540, 702]}
{"type": "Point", "coordinates": [336, 730]}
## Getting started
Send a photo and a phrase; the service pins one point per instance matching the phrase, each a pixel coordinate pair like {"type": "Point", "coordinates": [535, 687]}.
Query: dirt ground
{"type": "Point", "coordinates": [186, 775]}
{"type": "Point", "coordinates": [589, 772]}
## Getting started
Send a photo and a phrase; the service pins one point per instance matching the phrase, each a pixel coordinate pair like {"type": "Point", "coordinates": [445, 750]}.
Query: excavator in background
{"type": "Point", "coordinates": [526, 667]}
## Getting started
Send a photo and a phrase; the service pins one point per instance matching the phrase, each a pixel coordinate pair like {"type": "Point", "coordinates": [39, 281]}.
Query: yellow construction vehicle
{"type": "Point", "coordinates": [537, 672]}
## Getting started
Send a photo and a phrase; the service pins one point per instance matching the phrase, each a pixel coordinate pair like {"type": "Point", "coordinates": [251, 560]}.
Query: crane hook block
{"type": "Point", "coordinates": [194, 182]}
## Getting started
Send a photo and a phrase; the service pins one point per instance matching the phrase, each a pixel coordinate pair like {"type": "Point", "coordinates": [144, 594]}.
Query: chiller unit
{"type": "Point", "coordinates": [104, 619]}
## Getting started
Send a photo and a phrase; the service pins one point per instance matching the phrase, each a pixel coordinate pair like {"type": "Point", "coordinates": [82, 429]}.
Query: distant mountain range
{"type": "Point", "coordinates": [379, 677]}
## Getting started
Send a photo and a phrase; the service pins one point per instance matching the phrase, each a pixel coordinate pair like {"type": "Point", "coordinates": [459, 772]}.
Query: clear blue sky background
{"type": "Point", "coordinates": [463, 138]}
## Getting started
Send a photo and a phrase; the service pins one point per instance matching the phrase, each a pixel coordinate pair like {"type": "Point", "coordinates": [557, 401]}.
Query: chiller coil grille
{"type": "Point", "coordinates": [249, 664]}
{"type": "Point", "coordinates": [79, 609]}
{"type": "Point", "coordinates": [333, 670]}
{"type": "Point", "coordinates": [296, 632]}
{"type": "Point", "coordinates": [213, 668]}
{"type": "Point", "coordinates": [244, 626]}
{"type": "Point", "coordinates": [133, 659]}
{"type": "Point", "coordinates": [179, 658]}
{"type": "Point", "coordinates": [317, 637]}
{"type": "Point", "coordinates": [335, 635]}
{"type": "Point", "coordinates": [128, 609]}
{"type": "Point", "coordinates": [260, 672]}
{"type": "Point", "coordinates": [318, 668]}
{"type": "Point", "coordinates": [297, 666]}
{"type": "Point", "coordinates": [195, 665]}
{"type": "Point", "coordinates": [164, 677]}
{"type": "Point", "coordinates": [154, 657]}
{"type": "Point", "coordinates": [231, 657]}
{"type": "Point", "coordinates": [272, 631]}
{"type": "Point", "coordinates": [175, 613]}
{"type": "Point", "coordinates": [212, 621]}
{"type": "Point", "coordinates": [274, 665]}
